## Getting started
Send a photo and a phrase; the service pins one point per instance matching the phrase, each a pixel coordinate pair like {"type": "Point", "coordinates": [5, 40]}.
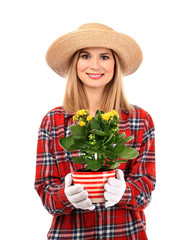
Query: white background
{"type": "Point", "coordinates": [29, 89]}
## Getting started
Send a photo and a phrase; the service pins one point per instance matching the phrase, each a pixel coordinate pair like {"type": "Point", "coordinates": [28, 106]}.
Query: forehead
{"type": "Point", "coordinates": [96, 50]}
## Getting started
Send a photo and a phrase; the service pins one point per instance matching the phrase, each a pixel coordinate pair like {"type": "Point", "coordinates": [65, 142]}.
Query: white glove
{"type": "Point", "coordinates": [77, 195]}
{"type": "Point", "coordinates": [114, 189]}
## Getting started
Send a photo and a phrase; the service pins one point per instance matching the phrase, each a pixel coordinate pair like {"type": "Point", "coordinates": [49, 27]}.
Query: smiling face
{"type": "Point", "coordinates": [95, 67]}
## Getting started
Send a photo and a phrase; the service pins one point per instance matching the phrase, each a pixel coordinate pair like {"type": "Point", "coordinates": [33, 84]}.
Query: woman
{"type": "Point", "coordinates": [94, 58]}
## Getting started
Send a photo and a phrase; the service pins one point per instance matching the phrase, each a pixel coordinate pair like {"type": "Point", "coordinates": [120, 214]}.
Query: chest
{"type": "Point", "coordinates": [63, 158]}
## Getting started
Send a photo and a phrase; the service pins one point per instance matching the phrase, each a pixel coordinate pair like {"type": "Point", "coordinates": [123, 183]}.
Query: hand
{"type": "Point", "coordinates": [114, 189]}
{"type": "Point", "coordinates": [77, 195]}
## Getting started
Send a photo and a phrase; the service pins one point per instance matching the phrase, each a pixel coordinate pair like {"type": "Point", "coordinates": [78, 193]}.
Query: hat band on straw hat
{"type": "Point", "coordinates": [62, 49]}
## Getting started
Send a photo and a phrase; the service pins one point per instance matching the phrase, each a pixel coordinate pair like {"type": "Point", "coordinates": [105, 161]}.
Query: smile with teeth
{"type": "Point", "coordinates": [95, 75]}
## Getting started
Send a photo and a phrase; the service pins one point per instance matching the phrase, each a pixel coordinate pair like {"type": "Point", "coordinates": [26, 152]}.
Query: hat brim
{"type": "Point", "coordinates": [62, 49]}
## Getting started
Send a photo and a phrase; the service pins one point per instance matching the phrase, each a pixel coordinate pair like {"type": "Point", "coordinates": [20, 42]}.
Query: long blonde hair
{"type": "Point", "coordinates": [113, 95]}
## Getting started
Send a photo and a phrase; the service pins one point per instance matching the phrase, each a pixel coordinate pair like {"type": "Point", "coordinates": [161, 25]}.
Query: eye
{"type": "Point", "coordinates": [104, 57]}
{"type": "Point", "coordinates": [85, 56]}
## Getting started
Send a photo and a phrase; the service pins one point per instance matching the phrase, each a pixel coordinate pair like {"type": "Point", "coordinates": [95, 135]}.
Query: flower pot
{"type": "Point", "coordinates": [93, 183]}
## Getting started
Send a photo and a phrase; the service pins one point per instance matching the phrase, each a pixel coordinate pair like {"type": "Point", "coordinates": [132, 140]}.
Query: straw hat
{"type": "Point", "coordinates": [62, 49]}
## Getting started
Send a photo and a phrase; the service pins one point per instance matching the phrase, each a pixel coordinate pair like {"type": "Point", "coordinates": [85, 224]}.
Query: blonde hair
{"type": "Point", "coordinates": [113, 95]}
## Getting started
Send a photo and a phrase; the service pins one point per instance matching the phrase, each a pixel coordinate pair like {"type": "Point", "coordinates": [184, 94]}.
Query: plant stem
{"type": "Point", "coordinates": [109, 125]}
{"type": "Point", "coordinates": [99, 155]}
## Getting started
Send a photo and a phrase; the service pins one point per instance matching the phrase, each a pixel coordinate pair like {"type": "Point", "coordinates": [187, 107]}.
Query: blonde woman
{"type": "Point", "coordinates": [94, 59]}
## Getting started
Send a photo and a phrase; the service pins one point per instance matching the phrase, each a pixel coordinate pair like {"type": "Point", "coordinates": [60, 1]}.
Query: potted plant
{"type": "Point", "coordinates": [102, 148]}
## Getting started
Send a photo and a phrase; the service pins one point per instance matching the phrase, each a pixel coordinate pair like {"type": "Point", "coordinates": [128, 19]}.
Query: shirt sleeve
{"type": "Point", "coordinates": [142, 177]}
{"type": "Point", "coordinates": [47, 181]}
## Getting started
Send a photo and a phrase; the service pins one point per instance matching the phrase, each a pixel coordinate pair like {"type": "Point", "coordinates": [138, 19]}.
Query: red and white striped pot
{"type": "Point", "coordinates": [93, 183]}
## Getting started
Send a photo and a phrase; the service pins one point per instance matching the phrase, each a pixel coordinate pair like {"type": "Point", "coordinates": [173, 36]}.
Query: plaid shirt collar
{"type": "Point", "coordinates": [74, 113]}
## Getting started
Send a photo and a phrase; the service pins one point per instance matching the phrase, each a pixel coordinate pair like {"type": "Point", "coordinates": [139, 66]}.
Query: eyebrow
{"type": "Point", "coordinates": [100, 53]}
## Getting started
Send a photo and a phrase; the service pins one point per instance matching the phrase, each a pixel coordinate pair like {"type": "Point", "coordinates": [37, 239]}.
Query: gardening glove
{"type": "Point", "coordinates": [114, 189]}
{"type": "Point", "coordinates": [77, 195]}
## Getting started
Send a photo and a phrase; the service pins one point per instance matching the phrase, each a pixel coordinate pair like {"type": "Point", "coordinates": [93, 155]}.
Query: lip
{"type": "Point", "coordinates": [95, 75]}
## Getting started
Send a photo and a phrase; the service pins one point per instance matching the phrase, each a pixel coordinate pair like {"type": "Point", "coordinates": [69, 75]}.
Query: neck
{"type": "Point", "coordinates": [94, 97]}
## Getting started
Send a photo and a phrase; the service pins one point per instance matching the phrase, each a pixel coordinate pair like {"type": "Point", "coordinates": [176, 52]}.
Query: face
{"type": "Point", "coordinates": [95, 67]}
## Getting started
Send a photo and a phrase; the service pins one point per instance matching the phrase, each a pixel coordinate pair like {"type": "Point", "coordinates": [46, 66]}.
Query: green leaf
{"type": "Point", "coordinates": [122, 161]}
{"type": "Point", "coordinates": [77, 130]}
{"type": "Point", "coordinates": [66, 142]}
{"type": "Point", "coordinates": [121, 135]}
{"type": "Point", "coordinates": [70, 143]}
{"type": "Point", "coordinates": [124, 140]}
{"type": "Point", "coordinates": [118, 148]}
{"type": "Point", "coordinates": [110, 140]}
{"type": "Point", "coordinates": [75, 147]}
{"type": "Point", "coordinates": [79, 160]}
{"type": "Point", "coordinates": [94, 124]}
{"type": "Point", "coordinates": [114, 165]}
{"type": "Point", "coordinates": [72, 148]}
{"type": "Point", "coordinates": [127, 139]}
{"type": "Point", "coordinates": [98, 132]}
{"type": "Point", "coordinates": [97, 116]}
{"type": "Point", "coordinates": [81, 145]}
{"type": "Point", "coordinates": [94, 165]}
{"type": "Point", "coordinates": [128, 153]}
{"type": "Point", "coordinates": [90, 152]}
{"type": "Point", "coordinates": [87, 130]}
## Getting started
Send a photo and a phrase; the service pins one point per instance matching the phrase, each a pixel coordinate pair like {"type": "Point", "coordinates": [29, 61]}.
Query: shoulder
{"type": "Point", "coordinates": [139, 112]}
{"type": "Point", "coordinates": [54, 116]}
{"type": "Point", "coordinates": [139, 115]}
{"type": "Point", "coordinates": [55, 111]}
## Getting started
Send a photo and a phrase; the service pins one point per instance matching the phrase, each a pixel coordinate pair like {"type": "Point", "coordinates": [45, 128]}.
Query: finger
{"type": "Point", "coordinates": [114, 182]}
{"type": "Point", "coordinates": [68, 180]}
{"type": "Point", "coordinates": [109, 204]}
{"type": "Point", "coordinates": [78, 197]}
{"type": "Point", "coordinates": [91, 207]}
{"type": "Point", "coordinates": [111, 197]}
{"type": "Point", "coordinates": [74, 189]}
{"type": "Point", "coordinates": [120, 175]}
{"type": "Point", "coordinates": [112, 189]}
{"type": "Point", "coordinates": [84, 204]}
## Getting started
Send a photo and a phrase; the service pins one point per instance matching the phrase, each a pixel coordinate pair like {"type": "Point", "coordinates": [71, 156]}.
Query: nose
{"type": "Point", "coordinates": [94, 63]}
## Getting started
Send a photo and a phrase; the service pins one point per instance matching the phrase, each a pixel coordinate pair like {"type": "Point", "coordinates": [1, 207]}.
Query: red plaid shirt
{"type": "Point", "coordinates": [126, 219]}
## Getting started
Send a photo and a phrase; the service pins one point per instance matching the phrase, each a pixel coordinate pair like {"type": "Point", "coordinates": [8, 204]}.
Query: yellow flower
{"type": "Point", "coordinates": [89, 118]}
{"type": "Point", "coordinates": [115, 130]}
{"type": "Point", "coordinates": [75, 118]}
{"type": "Point", "coordinates": [81, 123]}
{"type": "Point", "coordinates": [91, 137]}
{"type": "Point", "coordinates": [106, 116]}
{"type": "Point", "coordinates": [114, 113]}
{"type": "Point", "coordinates": [93, 142]}
{"type": "Point", "coordinates": [82, 112]}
